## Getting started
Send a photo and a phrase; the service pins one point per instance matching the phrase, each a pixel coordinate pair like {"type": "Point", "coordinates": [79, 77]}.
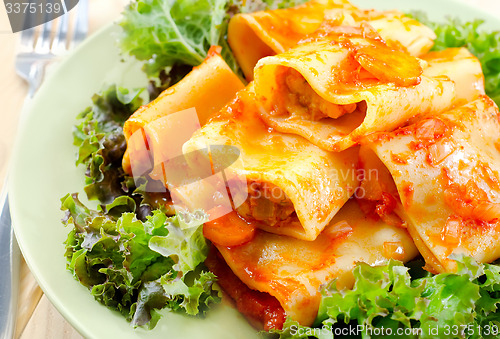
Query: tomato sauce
{"type": "Point", "coordinates": [261, 309]}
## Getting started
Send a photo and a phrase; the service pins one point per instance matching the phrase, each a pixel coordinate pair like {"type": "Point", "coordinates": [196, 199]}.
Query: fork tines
{"type": "Point", "coordinates": [41, 44]}
{"type": "Point", "coordinates": [44, 38]}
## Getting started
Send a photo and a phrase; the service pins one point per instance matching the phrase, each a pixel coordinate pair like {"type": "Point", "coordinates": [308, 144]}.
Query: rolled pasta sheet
{"type": "Point", "coordinates": [393, 26]}
{"type": "Point", "coordinates": [292, 186]}
{"type": "Point", "coordinates": [445, 169]}
{"type": "Point", "coordinates": [253, 36]}
{"type": "Point", "coordinates": [207, 88]}
{"type": "Point", "coordinates": [463, 68]}
{"type": "Point", "coordinates": [293, 270]}
{"type": "Point", "coordinates": [345, 83]}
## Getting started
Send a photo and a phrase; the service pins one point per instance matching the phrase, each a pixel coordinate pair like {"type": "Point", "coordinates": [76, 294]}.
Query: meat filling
{"type": "Point", "coordinates": [303, 100]}
{"type": "Point", "coordinates": [266, 203]}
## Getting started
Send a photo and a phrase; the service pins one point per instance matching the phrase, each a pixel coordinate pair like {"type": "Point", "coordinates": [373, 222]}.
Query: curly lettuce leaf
{"type": "Point", "coordinates": [238, 6]}
{"type": "Point", "coordinates": [388, 297]}
{"type": "Point", "coordinates": [169, 32]}
{"type": "Point", "coordinates": [166, 79]}
{"type": "Point", "coordinates": [381, 296]}
{"type": "Point", "coordinates": [137, 267]}
{"type": "Point", "coordinates": [483, 44]}
{"type": "Point", "coordinates": [101, 143]}
{"type": "Point", "coordinates": [281, 4]}
{"type": "Point", "coordinates": [185, 240]}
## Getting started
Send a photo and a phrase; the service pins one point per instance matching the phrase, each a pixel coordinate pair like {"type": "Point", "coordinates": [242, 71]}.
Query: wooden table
{"type": "Point", "coordinates": [37, 318]}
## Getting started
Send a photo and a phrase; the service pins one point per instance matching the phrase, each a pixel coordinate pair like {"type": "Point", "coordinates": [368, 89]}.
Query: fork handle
{"type": "Point", "coordinates": [9, 279]}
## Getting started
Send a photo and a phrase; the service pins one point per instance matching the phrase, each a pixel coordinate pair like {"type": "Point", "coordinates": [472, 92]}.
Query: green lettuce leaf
{"type": "Point", "coordinates": [101, 143]}
{"type": "Point", "coordinates": [388, 298]}
{"type": "Point", "coordinates": [483, 44]}
{"type": "Point", "coordinates": [261, 5]}
{"type": "Point", "coordinates": [137, 267]}
{"type": "Point", "coordinates": [169, 32]}
{"type": "Point", "coordinates": [381, 296]}
{"type": "Point", "coordinates": [280, 4]}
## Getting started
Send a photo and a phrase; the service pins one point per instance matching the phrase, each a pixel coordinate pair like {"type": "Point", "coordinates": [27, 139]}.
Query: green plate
{"type": "Point", "coordinates": [44, 171]}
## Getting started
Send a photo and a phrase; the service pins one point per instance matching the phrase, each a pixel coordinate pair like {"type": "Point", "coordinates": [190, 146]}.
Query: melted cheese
{"type": "Point", "coordinates": [357, 68]}
{"type": "Point", "coordinates": [293, 270]}
{"type": "Point", "coordinates": [316, 182]}
{"type": "Point", "coordinates": [260, 34]}
{"type": "Point", "coordinates": [449, 164]}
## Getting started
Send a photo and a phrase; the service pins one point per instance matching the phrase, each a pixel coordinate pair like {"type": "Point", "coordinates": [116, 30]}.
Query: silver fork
{"type": "Point", "coordinates": [36, 52]}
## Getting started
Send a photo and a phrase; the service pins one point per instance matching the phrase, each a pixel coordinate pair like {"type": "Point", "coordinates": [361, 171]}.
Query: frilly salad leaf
{"type": "Point", "coordinates": [280, 4]}
{"type": "Point", "coordinates": [138, 267]}
{"type": "Point", "coordinates": [166, 33]}
{"type": "Point", "coordinates": [261, 5]}
{"type": "Point", "coordinates": [447, 305]}
{"type": "Point", "coordinates": [169, 32]}
{"type": "Point", "coordinates": [101, 143]}
{"type": "Point", "coordinates": [483, 44]}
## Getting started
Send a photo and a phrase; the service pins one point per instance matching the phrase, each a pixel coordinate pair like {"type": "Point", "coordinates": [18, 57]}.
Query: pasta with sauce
{"type": "Point", "coordinates": [336, 93]}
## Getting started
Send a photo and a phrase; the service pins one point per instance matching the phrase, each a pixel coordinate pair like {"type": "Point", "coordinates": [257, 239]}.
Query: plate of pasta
{"type": "Point", "coordinates": [282, 168]}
